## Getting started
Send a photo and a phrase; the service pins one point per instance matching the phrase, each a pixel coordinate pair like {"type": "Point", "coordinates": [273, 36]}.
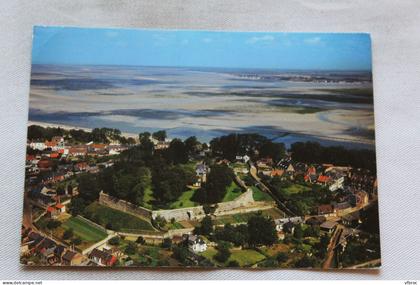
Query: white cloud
{"type": "Point", "coordinates": [265, 38]}
{"type": "Point", "coordinates": [314, 41]}
{"type": "Point", "coordinates": [111, 34]}
{"type": "Point", "coordinates": [207, 40]}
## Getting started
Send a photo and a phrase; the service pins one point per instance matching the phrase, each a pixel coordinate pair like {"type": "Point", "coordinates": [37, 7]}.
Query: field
{"type": "Point", "coordinates": [148, 198]}
{"type": "Point", "coordinates": [295, 189]}
{"type": "Point", "coordinates": [184, 201]}
{"type": "Point", "coordinates": [259, 195]}
{"type": "Point", "coordinates": [232, 192]}
{"type": "Point", "coordinates": [245, 257]}
{"type": "Point", "coordinates": [84, 230]}
{"type": "Point", "coordinates": [243, 218]}
{"type": "Point", "coordinates": [116, 220]}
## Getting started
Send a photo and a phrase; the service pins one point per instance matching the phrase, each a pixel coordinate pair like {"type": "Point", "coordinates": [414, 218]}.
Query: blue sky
{"type": "Point", "coordinates": [322, 51]}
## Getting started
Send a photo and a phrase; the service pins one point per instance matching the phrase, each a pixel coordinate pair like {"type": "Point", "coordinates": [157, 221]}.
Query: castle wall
{"type": "Point", "coordinates": [242, 204]}
{"type": "Point", "coordinates": [112, 202]}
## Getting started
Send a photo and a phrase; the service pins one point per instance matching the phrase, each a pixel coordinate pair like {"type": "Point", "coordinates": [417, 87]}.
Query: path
{"type": "Point", "coordinates": [334, 241]}
{"type": "Point", "coordinates": [264, 188]}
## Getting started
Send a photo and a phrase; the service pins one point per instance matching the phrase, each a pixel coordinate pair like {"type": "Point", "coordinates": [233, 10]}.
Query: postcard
{"type": "Point", "coordinates": [182, 148]}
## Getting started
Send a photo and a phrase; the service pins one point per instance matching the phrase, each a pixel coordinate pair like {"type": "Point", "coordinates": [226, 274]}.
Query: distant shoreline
{"type": "Point", "coordinates": [69, 127]}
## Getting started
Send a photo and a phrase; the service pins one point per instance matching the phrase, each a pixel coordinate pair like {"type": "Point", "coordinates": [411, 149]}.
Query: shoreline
{"type": "Point", "coordinates": [70, 127]}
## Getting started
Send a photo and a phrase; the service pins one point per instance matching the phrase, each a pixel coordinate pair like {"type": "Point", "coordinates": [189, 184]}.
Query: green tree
{"type": "Point", "coordinates": [261, 230]}
{"type": "Point", "coordinates": [131, 248]}
{"type": "Point", "coordinates": [233, 263]}
{"type": "Point", "coordinates": [68, 234]}
{"type": "Point", "coordinates": [77, 206]}
{"type": "Point", "coordinates": [144, 136]}
{"type": "Point", "coordinates": [298, 232]}
{"type": "Point", "coordinates": [114, 241]}
{"type": "Point", "coordinates": [206, 226]}
{"type": "Point", "coordinates": [177, 152]}
{"type": "Point", "coordinates": [214, 190]}
{"type": "Point", "coordinates": [159, 135]}
{"type": "Point", "coordinates": [76, 241]}
{"type": "Point", "coordinates": [180, 253]}
{"type": "Point", "coordinates": [53, 224]}
{"type": "Point", "coordinates": [282, 257]}
{"type": "Point", "coordinates": [140, 240]}
{"type": "Point", "coordinates": [223, 252]}
{"type": "Point", "coordinates": [191, 144]}
{"type": "Point", "coordinates": [167, 243]}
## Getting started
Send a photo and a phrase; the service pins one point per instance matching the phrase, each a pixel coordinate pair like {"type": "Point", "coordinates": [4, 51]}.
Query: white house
{"type": "Point", "coordinates": [337, 184]}
{"type": "Point", "coordinates": [196, 243]}
{"type": "Point", "coordinates": [37, 145]}
{"type": "Point", "coordinates": [244, 158]}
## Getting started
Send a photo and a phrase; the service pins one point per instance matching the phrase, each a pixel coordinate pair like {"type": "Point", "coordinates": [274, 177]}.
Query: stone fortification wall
{"type": "Point", "coordinates": [112, 202]}
{"type": "Point", "coordinates": [242, 204]}
{"type": "Point", "coordinates": [197, 213]}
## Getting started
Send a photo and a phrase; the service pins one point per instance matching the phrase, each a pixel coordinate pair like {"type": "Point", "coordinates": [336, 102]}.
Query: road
{"type": "Point", "coordinates": [335, 239]}
{"type": "Point", "coordinates": [264, 188]}
{"type": "Point", "coordinates": [27, 212]}
{"type": "Point", "coordinates": [370, 263]}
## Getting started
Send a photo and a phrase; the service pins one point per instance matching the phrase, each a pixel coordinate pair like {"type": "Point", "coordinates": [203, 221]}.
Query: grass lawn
{"type": "Point", "coordinates": [245, 257]}
{"type": "Point", "coordinates": [184, 201]}
{"type": "Point", "coordinates": [117, 220]}
{"type": "Point", "coordinates": [173, 226]}
{"type": "Point", "coordinates": [148, 198]}
{"type": "Point", "coordinates": [232, 192]}
{"type": "Point", "coordinates": [243, 218]}
{"type": "Point", "coordinates": [259, 195]}
{"type": "Point", "coordinates": [295, 189]}
{"type": "Point", "coordinates": [84, 229]}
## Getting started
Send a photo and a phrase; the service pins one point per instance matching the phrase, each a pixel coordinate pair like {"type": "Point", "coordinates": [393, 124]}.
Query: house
{"type": "Point", "coordinates": [162, 145]}
{"type": "Point", "coordinates": [276, 172]}
{"type": "Point", "coordinates": [81, 166]}
{"type": "Point", "coordinates": [351, 220]}
{"type": "Point", "coordinates": [244, 158]}
{"type": "Point", "coordinates": [45, 164]}
{"type": "Point", "coordinates": [290, 170]}
{"type": "Point", "coordinates": [341, 207]}
{"type": "Point", "coordinates": [323, 180]}
{"type": "Point", "coordinates": [328, 226]}
{"type": "Point", "coordinates": [359, 199]}
{"type": "Point", "coordinates": [39, 145]}
{"type": "Point", "coordinates": [77, 151]}
{"type": "Point", "coordinates": [281, 222]}
{"type": "Point", "coordinates": [59, 252]}
{"type": "Point", "coordinates": [201, 174]}
{"type": "Point", "coordinates": [315, 220]}
{"type": "Point", "coordinates": [71, 258]}
{"type": "Point", "coordinates": [326, 210]}
{"type": "Point", "coordinates": [195, 243]}
{"type": "Point", "coordinates": [102, 257]}
{"type": "Point", "coordinates": [60, 207]}
{"type": "Point", "coordinates": [264, 162]}
{"type": "Point", "coordinates": [289, 227]}
{"type": "Point", "coordinates": [336, 183]}
{"type": "Point", "coordinates": [53, 212]}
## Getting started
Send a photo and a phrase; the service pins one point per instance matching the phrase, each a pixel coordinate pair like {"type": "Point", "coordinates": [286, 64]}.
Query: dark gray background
{"type": "Point", "coordinates": [395, 30]}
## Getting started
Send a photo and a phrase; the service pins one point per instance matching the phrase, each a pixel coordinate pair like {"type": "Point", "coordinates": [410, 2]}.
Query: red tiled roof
{"type": "Point", "coordinates": [50, 144]}
{"type": "Point", "coordinates": [277, 172]}
{"type": "Point", "coordinates": [311, 170]}
{"type": "Point", "coordinates": [323, 179]}
{"type": "Point", "coordinates": [325, 209]}
{"type": "Point", "coordinates": [50, 209]}
{"type": "Point", "coordinates": [54, 155]}
{"type": "Point", "coordinates": [59, 206]}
